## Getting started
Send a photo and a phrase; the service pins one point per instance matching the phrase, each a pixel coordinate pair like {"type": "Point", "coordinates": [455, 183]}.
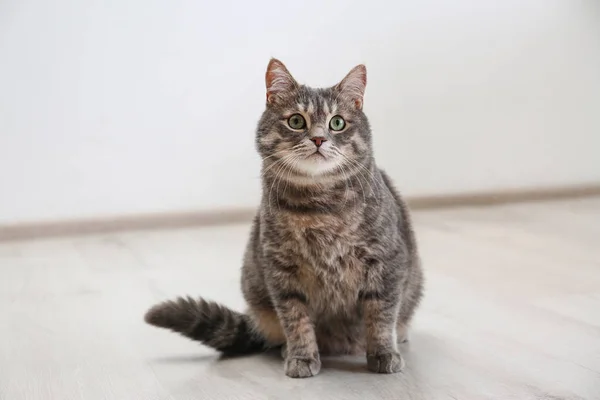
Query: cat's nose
{"type": "Point", "coordinates": [318, 141]}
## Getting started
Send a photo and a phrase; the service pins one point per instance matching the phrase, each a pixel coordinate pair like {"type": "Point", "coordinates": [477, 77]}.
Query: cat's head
{"type": "Point", "coordinates": [313, 134]}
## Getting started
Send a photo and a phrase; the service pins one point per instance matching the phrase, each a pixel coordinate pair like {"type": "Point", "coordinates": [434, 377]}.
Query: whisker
{"type": "Point", "coordinates": [292, 150]}
{"type": "Point", "coordinates": [276, 178]}
{"type": "Point", "coordinates": [273, 155]}
{"type": "Point", "coordinates": [345, 184]}
{"type": "Point", "coordinates": [264, 172]}
{"type": "Point", "coordinates": [361, 168]}
{"type": "Point", "coordinates": [286, 172]}
{"type": "Point", "coordinates": [294, 163]}
{"type": "Point", "coordinates": [276, 162]}
{"type": "Point", "coordinates": [357, 164]}
{"type": "Point", "coordinates": [362, 187]}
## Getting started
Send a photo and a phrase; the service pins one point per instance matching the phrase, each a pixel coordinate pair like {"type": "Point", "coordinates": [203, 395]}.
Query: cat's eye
{"type": "Point", "coordinates": [296, 121]}
{"type": "Point", "coordinates": [337, 123]}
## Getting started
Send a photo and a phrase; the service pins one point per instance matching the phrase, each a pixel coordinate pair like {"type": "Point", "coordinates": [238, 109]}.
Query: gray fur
{"type": "Point", "coordinates": [331, 265]}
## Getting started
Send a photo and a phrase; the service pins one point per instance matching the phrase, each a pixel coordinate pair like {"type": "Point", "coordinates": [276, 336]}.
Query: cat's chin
{"type": "Point", "coordinates": [316, 165]}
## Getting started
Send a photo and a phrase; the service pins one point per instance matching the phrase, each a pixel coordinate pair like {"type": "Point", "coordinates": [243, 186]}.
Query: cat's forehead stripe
{"type": "Point", "coordinates": [334, 109]}
{"type": "Point", "coordinates": [315, 103]}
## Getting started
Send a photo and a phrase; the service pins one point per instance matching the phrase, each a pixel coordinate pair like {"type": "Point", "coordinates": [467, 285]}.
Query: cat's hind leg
{"type": "Point", "coordinates": [402, 332]}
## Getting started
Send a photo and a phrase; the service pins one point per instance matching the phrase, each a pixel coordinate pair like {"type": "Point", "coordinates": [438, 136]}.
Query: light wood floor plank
{"type": "Point", "coordinates": [512, 311]}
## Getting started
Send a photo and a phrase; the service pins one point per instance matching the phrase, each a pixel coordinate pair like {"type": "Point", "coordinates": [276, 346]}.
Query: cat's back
{"type": "Point", "coordinates": [404, 218]}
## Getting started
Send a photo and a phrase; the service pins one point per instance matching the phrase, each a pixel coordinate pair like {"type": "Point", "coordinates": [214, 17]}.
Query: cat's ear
{"type": "Point", "coordinates": [279, 81]}
{"type": "Point", "coordinates": [354, 84]}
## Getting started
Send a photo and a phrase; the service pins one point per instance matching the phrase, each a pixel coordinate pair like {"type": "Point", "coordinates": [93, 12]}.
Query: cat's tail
{"type": "Point", "coordinates": [212, 324]}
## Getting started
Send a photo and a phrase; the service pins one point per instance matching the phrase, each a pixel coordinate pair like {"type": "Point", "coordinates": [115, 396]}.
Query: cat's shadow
{"type": "Point", "coordinates": [354, 364]}
{"type": "Point", "coordinates": [341, 363]}
{"type": "Point", "coordinates": [184, 359]}
{"type": "Point", "coordinates": [272, 359]}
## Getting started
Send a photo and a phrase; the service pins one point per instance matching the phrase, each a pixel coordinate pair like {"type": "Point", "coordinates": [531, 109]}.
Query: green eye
{"type": "Point", "coordinates": [337, 123]}
{"type": "Point", "coordinates": [296, 121]}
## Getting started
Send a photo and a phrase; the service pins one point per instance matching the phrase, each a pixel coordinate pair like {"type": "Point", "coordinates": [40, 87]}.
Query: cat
{"type": "Point", "coordinates": [331, 266]}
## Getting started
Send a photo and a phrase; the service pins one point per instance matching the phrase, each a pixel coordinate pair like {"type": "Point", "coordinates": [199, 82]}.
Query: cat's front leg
{"type": "Point", "coordinates": [380, 310]}
{"type": "Point", "coordinates": [302, 354]}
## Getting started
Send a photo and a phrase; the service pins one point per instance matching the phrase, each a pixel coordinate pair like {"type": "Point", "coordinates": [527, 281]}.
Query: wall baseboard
{"type": "Point", "coordinates": [245, 215]}
{"type": "Point", "coordinates": [500, 197]}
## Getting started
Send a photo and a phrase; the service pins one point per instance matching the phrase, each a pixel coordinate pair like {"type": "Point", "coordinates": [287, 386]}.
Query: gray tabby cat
{"type": "Point", "coordinates": [331, 265]}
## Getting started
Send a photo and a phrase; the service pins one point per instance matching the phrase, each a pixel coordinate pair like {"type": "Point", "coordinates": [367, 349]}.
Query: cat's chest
{"type": "Point", "coordinates": [326, 241]}
{"type": "Point", "coordinates": [330, 270]}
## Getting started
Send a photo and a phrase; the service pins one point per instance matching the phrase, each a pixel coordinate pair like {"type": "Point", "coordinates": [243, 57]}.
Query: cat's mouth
{"type": "Point", "coordinates": [316, 163]}
{"type": "Point", "coordinates": [317, 155]}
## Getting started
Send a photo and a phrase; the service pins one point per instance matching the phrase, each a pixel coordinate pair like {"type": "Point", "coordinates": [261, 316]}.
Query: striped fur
{"type": "Point", "coordinates": [331, 265]}
{"type": "Point", "coordinates": [210, 323]}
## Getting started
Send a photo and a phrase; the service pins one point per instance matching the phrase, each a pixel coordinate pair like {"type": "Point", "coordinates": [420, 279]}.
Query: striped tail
{"type": "Point", "coordinates": [214, 325]}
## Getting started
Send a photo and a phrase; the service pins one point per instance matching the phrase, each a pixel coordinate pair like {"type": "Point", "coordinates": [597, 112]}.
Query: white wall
{"type": "Point", "coordinates": [133, 106]}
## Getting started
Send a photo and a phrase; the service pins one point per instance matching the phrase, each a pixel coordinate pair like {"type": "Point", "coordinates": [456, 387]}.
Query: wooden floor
{"type": "Point", "coordinates": [512, 312]}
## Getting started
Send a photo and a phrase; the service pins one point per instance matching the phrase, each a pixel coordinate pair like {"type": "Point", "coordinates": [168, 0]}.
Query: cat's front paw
{"type": "Point", "coordinates": [302, 367]}
{"type": "Point", "coordinates": [386, 363]}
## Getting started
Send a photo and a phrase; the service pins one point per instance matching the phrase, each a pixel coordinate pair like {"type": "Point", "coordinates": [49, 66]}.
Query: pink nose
{"type": "Point", "coordinates": [318, 141]}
